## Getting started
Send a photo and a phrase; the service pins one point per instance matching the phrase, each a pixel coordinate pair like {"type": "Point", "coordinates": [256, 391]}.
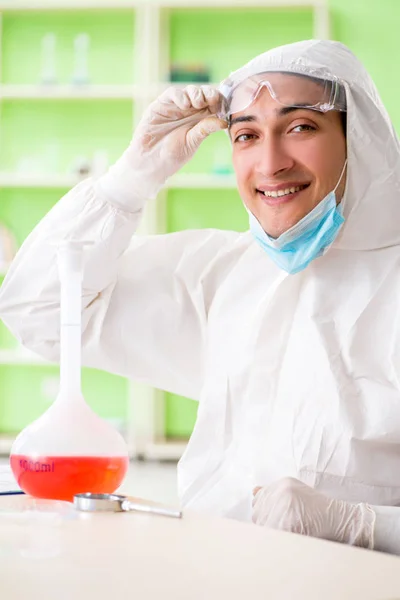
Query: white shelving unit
{"type": "Point", "coordinates": [151, 40]}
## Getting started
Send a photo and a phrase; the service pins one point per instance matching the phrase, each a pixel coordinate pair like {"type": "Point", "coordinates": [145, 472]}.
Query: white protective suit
{"type": "Point", "coordinates": [297, 375]}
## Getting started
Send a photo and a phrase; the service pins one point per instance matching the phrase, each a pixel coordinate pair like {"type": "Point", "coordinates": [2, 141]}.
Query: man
{"type": "Point", "coordinates": [287, 334]}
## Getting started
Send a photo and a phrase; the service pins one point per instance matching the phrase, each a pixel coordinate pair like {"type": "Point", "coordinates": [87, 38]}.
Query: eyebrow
{"type": "Point", "coordinates": [281, 112]}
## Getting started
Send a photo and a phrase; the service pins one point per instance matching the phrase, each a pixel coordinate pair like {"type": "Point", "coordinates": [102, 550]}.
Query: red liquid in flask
{"type": "Point", "coordinates": [60, 477]}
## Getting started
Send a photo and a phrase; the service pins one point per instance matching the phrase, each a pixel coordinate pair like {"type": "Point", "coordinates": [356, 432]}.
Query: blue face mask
{"type": "Point", "coordinates": [309, 238]}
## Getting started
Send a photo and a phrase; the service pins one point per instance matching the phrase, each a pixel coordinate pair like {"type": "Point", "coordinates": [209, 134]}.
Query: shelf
{"type": "Point", "coordinates": [71, 92]}
{"type": "Point", "coordinates": [6, 442]}
{"type": "Point", "coordinates": [22, 357]}
{"type": "Point", "coordinates": [237, 3]}
{"type": "Point", "coordinates": [16, 5]}
{"type": "Point", "coordinates": [163, 85]}
{"type": "Point", "coordinates": [164, 450]}
{"type": "Point", "coordinates": [21, 180]}
{"type": "Point", "coordinates": [201, 181]}
{"type": "Point", "coordinates": [92, 92]}
{"type": "Point", "coordinates": [189, 180]}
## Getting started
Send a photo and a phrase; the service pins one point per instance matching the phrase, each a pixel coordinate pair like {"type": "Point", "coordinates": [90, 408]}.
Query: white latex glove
{"type": "Point", "coordinates": [167, 136]}
{"type": "Point", "coordinates": [174, 125]}
{"type": "Point", "coordinates": [290, 505]}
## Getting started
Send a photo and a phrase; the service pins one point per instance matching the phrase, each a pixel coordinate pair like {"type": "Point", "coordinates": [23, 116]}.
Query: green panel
{"type": "Point", "coordinates": [371, 30]}
{"type": "Point", "coordinates": [224, 40]}
{"type": "Point", "coordinates": [180, 416]}
{"type": "Point", "coordinates": [196, 209]}
{"type": "Point", "coordinates": [111, 42]}
{"type": "Point", "coordinates": [52, 135]}
{"type": "Point", "coordinates": [7, 340]}
{"type": "Point", "coordinates": [107, 394]}
{"type": "Point", "coordinates": [21, 209]}
{"type": "Point", "coordinates": [23, 394]}
{"type": "Point", "coordinates": [213, 156]}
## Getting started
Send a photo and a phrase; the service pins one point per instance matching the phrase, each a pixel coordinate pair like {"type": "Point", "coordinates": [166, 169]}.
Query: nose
{"type": "Point", "coordinates": [273, 159]}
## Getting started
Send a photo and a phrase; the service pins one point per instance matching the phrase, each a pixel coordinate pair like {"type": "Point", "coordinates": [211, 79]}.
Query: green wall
{"type": "Point", "coordinates": [53, 133]}
{"type": "Point", "coordinates": [371, 30]}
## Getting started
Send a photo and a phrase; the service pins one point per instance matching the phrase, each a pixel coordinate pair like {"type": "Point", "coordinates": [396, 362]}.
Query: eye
{"type": "Point", "coordinates": [303, 127]}
{"type": "Point", "coordinates": [244, 137]}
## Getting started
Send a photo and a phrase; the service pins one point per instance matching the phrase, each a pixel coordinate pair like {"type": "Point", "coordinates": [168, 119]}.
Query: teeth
{"type": "Point", "coordinates": [285, 192]}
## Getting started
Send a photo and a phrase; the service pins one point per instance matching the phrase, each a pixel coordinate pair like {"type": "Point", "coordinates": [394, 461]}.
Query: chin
{"type": "Point", "coordinates": [276, 229]}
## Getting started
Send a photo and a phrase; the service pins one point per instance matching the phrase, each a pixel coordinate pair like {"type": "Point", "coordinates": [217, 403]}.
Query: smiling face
{"type": "Point", "coordinates": [286, 159]}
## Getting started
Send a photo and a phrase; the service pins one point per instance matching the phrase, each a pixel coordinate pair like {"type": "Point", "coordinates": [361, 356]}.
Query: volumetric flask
{"type": "Point", "coordinates": [69, 449]}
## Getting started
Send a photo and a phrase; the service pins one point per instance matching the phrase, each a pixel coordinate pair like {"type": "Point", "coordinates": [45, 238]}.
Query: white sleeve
{"type": "Point", "coordinates": [387, 529]}
{"type": "Point", "coordinates": [144, 299]}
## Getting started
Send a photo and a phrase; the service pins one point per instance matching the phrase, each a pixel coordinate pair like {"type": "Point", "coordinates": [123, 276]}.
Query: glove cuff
{"type": "Point", "coordinates": [366, 518]}
{"type": "Point", "coordinates": [128, 188]}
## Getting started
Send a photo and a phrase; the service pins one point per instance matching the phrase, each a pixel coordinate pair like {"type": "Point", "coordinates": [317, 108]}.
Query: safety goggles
{"type": "Point", "coordinates": [288, 89]}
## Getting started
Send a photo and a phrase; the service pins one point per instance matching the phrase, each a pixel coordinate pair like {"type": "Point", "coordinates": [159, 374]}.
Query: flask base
{"type": "Point", "coordinates": [60, 477]}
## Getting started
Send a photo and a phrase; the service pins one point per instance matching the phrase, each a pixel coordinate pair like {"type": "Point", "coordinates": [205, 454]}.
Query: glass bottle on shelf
{"type": "Point", "coordinates": [48, 73]}
{"type": "Point", "coordinates": [81, 59]}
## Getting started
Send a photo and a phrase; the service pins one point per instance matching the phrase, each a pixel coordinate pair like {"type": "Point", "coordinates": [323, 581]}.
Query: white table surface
{"type": "Point", "coordinates": [74, 556]}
